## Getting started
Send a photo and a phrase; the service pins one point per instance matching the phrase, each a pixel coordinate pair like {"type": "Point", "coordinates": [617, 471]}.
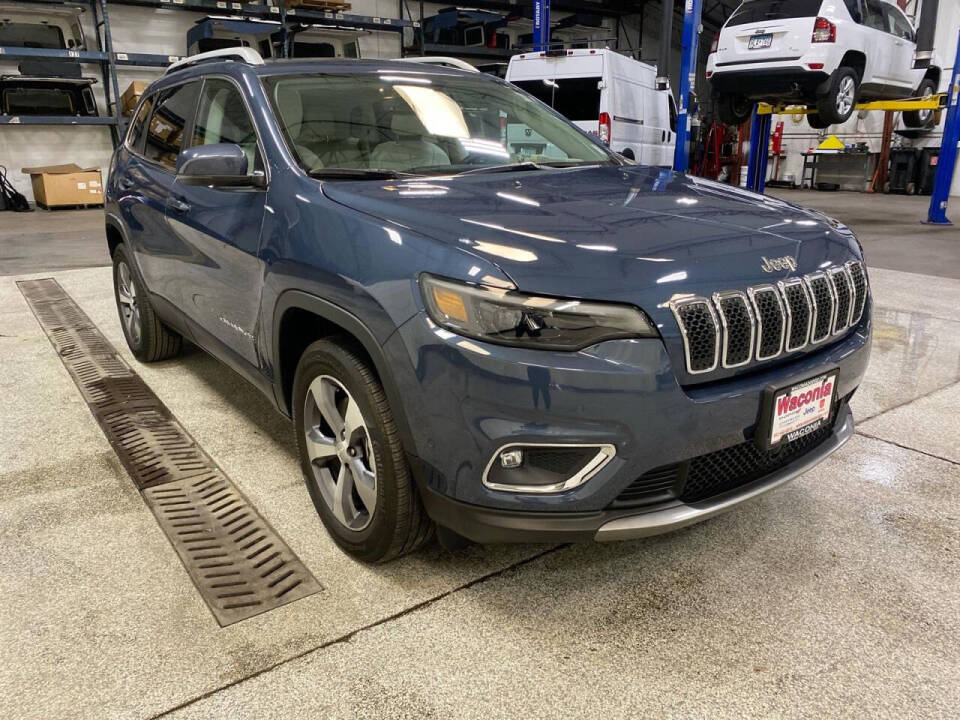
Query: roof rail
{"type": "Point", "coordinates": [241, 54]}
{"type": "Point", "coordinates": [450, 62]}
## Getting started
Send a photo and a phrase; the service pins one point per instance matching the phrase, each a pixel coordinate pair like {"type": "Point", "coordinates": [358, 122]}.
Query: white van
{"type": "Point", "coordinates": [604, 93]}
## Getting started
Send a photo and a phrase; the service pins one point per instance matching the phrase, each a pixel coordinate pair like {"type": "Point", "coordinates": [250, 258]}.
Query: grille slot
{"type": "Point", "coordinates": [736, 317]}
{"type": "Point", "coordinates": [824, 306]}
{"type": "Point", "coordinates": [653, 486]}
{"type": "Point", "coordinates": [240, 565]}
{"type": "Point", "coordinates": [770, 320]}
{"type": "Point", "coordinates": [842, 290]}
{"type": "Point", "coordinates": [859, 279]}
{"type": "Point", "coordinates": [700, 331]}
{"type": "Point", "coordinates": [796, 299]}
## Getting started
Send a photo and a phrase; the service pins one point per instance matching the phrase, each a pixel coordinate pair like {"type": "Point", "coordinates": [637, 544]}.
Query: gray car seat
{"type": "Point", "coordinates": [291, 114]}
{"type": "Point", "coordinates": [410, 149]}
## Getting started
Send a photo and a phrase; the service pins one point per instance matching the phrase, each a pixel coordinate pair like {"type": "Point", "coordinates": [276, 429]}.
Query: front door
{"type": "Point", "coordinates": [220, 226]}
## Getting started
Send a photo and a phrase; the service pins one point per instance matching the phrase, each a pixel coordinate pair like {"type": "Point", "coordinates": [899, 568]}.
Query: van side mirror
{"type": "Point", "coordinates": [219, 165]}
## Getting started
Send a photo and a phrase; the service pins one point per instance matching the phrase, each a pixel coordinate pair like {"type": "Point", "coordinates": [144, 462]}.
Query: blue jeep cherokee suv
{"type": "Point", "coordinates": [478, 317]}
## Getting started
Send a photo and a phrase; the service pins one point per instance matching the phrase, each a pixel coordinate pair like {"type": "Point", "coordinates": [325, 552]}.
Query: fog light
{"type": "Point", "coordinates": [511, 458]}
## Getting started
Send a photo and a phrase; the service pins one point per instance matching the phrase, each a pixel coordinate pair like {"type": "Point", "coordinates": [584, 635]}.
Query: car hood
{"type": "Point", "coordinates": [633, 234]}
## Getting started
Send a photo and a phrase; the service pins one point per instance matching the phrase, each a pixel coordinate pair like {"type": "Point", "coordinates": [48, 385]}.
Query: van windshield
{"type": "Point", "coordinates": [754, 11]}
{"type": "Point", "coordinates": [420, 122]}
{"type": "Point", "coordinates": [574, 98]}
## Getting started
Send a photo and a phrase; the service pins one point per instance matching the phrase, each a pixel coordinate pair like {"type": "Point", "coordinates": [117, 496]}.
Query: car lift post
{"type": "Point", "coordinates": [759, 151]}
{"type": "Point", "coordinates": [688, 79]}
{"type": "Point", "coordinates": [948, 150]}
{"type": "Point", "coordinates": [541, 25]}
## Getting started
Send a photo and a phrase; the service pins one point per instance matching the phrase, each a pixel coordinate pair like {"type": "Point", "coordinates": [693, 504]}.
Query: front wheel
{"type": "Point", "coordinates": [837, 105]}
{"type": "Point", "coordinates": [734, 109]}
{"type": "Point", "coordinates": [351, 456]}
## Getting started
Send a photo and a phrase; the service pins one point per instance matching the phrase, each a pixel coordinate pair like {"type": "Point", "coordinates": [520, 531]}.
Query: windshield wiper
{"type": "Point", "coordinates": [358, 174]}
{"type": "Point", "coordinates": [512, 167]}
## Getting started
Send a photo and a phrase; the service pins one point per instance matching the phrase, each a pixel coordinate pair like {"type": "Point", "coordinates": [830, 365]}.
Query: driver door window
{"type": "Point", "coordinates": [223, 118]}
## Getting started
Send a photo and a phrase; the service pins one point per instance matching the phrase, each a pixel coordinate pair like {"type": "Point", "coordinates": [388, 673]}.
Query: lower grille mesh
{"type": "Point", "coordinates": [707, 475]}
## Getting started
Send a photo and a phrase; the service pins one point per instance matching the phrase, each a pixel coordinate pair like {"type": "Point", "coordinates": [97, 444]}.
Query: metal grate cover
{"type": "Point", "coordinates": [239, 564]}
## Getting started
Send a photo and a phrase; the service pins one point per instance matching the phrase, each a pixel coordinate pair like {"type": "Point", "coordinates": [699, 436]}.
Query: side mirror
{"type": "Point", "coordinates": [219, 165]}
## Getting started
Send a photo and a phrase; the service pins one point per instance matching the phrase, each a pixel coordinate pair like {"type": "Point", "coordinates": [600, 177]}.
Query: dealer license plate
{"type": "Point", "coordinates": [758, 42]}
{"type": "Point", "coordinates": [802, 408]}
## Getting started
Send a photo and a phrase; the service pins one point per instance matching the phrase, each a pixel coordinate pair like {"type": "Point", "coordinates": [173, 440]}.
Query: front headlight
{"type": "Point", "coordinates": [506, 317]}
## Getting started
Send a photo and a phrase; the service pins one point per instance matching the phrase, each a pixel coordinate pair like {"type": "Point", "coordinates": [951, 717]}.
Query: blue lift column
{"type": "Point", "coordinates": [541, 25]}
{"type": "Point", "coordinates": [948, 150]}
{"type": "Point", "coordinates": [759, 152]}
{"type": "Point", "coordinates": [688, 77]}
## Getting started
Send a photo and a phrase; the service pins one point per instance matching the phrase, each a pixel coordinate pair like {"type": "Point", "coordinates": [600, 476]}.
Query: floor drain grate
{"type": "Point", "coordinates": [237, 561]}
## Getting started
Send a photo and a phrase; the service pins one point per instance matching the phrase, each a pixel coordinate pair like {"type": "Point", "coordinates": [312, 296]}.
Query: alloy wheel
{"type": "Point", "coordinates": [925, 115]}
{"type": "Point", "coordinates": [127, 297]}
{"type": "Point", "coordinates": [846, 96]}
{"type": "Point", "coordinates": [340, 451]}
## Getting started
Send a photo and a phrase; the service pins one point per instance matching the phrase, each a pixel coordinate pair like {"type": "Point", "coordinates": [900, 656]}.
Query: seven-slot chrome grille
{"type": "Point", "coordinates": [734, 327]}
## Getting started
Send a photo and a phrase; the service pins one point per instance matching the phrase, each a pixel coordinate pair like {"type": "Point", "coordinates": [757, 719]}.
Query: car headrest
{"type": "Point", "coordinates": [406, 124]}
{"type": "Point", "coordinates": [291, 109]}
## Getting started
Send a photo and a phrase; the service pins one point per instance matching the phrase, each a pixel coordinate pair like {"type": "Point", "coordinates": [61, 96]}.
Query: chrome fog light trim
{"type": "Point", "coordinates": [605, 453]}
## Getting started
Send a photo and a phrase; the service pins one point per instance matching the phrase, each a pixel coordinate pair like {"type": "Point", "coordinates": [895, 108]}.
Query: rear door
{"type": "Point", "coordinates": [879, 46]}
{"type": "Point", "coordinates": [151, 173]}
{"type": "Point", "coordinates": [767, 31]}
{"type": "Point", "coordinates": [218, 228]}
{"type": "Point", "coordinates": [904, 40]}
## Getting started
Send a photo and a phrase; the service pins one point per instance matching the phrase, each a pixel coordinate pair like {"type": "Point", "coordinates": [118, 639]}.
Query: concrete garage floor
{"type": "Point", "coordinates": [837, 595]}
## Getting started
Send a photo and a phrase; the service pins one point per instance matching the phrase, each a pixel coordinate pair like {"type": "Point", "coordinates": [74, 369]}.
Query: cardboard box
{"type": "Point", "coordinates": [59, 185]}
{"type": "Point", "coordinates": [131, 96]}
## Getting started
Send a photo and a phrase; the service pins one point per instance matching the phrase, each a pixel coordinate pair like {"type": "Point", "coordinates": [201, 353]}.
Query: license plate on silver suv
{"type": "Point", "coordinates": [758, 42]}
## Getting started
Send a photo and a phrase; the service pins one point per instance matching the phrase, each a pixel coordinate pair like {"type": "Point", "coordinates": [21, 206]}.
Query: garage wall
{"type": "Point", "coordinates": [139, 30]}
{"type": "Point", "coordinates": [868, 126]}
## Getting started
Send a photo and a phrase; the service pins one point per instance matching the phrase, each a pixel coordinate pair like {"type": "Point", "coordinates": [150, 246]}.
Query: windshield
{"type": "Point", "coordinates": [421, 123]}
{"type": "Point", "coordinates": [31, 35]}
{"type": "Point", "coordinates": [754, 11]}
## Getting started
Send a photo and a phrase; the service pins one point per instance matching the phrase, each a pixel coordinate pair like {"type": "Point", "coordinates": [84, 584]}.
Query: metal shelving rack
{"type": "Point", "coordinates": [109, 60]}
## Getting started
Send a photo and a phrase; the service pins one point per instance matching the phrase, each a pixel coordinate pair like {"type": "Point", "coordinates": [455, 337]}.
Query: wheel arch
{"type": "Point", "coordinates": [857, 60]}
{"type": "Point", "coordinates": [933, 73]}
{"type": "Point", "coordinates": [300, 319]}
{"type": "Point", "coordinates": [115, 234]}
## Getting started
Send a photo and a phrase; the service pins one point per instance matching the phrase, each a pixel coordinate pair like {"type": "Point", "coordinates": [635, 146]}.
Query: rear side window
{"type": "Point", "coordinates": [873, 15]}
{"type": "Point", "coordinates": [223, 118]}
{"type": "Point", "coordinates": [138, 127]}
{"type": "Point", "coordinates": [574, 98]}
{"type": "Point", "coordinates": [30, 35]}
{"type": "Point", "coordinates": [853, 7]}
{"type": "Point", "coordinates": [758, 11]}
{"type": "Point", "coordinates": [168, 123]}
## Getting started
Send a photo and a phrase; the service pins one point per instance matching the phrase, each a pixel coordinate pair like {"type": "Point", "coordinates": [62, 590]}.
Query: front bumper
{"type": "Point", "coordinates": [488, 525]}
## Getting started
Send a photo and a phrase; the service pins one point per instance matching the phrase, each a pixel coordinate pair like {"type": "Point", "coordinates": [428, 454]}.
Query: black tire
{"type": "Point", "coordinates": [398, 524]}
{"type": "Point", "coordinates": [154, 341]}
{"type": "Point", "coordinates": [837, 105]}
{"type": "Point", "coordinates": [922, 118]}
{"type": "Point", "coordinates": [734, 109]}
{"type": "Point", "coordinates": [817, 122]}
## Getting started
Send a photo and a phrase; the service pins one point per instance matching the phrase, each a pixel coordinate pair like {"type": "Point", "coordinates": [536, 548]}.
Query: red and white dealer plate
{"type": "Point", "coordinates": [802, 408]}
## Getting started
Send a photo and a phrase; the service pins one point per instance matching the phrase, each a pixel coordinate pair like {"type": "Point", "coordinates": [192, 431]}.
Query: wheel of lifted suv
{"type": "Point", "coordinates": [734, 109]}
{"type": "Point", "coordinates": [147, 337]}
{"type": "Point", "coordinates": [922, 118]}
{"type": "Point", "coordinates": [351, 456]}
{"type": "Point", "coordinates": [837, 105]}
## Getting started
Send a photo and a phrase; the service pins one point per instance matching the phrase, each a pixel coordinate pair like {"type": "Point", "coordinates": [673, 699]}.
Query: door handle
{"type": "Point", "coordinates": [125, 183]}
{"type": "Point", "coordinates": [179, 205]}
